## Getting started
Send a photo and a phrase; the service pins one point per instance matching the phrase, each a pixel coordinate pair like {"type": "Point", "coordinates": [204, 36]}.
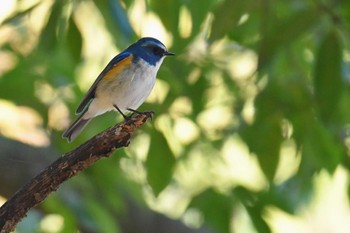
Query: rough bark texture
{"type": "Point", "coordinates": [65, 167]}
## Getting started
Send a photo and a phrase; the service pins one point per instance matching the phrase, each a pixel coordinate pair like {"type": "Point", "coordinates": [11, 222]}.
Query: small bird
{"type": "Point", "coordinates": [123, 85]}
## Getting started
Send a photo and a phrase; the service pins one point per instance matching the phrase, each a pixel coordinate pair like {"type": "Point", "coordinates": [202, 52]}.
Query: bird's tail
{"type": "Point", "coordinates": [75, 128]}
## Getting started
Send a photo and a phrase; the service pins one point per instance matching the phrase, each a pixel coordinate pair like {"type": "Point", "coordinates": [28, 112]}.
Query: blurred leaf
{"type": "Point", "coordinates": [116, 20]}
{"type": "Point", "coordinates": [284, 32]}
{"type": "Point", "coordinates": [255, 213]}
{"type": "Point", "coordinates": [265, 140]}
{"type": "Point", "coordinates": [18, 85]}
{"type": "Point", "coordinates": [323, 148]}
{"type": "Point", "coordinates": [20, 14]}
{"type": "Point", "coordinates": [199, 13]}
{"type": "Point", "coordinates": [74, 39]}
{"type": "Point", "coordinates": [160, 162]}
{"type": "Point", "coordinates": [102, 217]}
{"type": "Point", "coordinates": [216, 208]}
{"type": "Point", "coordinates": [54, 204]}
{"type": "Point", "coordinates": [254, 208]}
{"type": "Point", "coordinates": [49, 38]}
{"type": "Point", "coordinates": [328, 80]}
{"type": "Point", "coordinates": [264, 137]}
{"type": "Point", "coordinates": [297, 105]}
{"type": "Point", "coordinates": [121, 18]}
{"type": "Point", "coordinates": [226, 16]}
{"type": "Point", "coordinates": [168, 11]}
{"type": "Point", "coordinates": [105, 176]}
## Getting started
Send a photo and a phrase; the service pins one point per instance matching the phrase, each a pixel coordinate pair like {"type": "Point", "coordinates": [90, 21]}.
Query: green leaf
{"type": "Point", "coordinates": [168, 11]}
{"type": "Point", "coordinates": [120, 18]}
{"type": "Point", "coordinates": [102, 217]}
{"type": "Point", "coordinates": [226, 16]}
{"type": "Point", "coordinates": [264, 137]}
{"type": "Point", "coordinates": [74, 39]}
{"type": "Point", "coordinates": [199, 14]}
{"type": "Point", "coordinates": [20, 14]}
{"type": "Point", "coordinates": [49, 38]}
{"type": "Point", "coordinates": [322, 148]}
{"type": "Point", "coordinates": [160, 163]}
{"type": "Point", "coordinates": [216, 208]}
{"type": "Point", "coordinates": [18, 85]}
{"type": "Point", "coordinates": [328, 80]}
{"type": "Point", "coordinates": [265, 141]}
{"type": "Point", "coordinates": [116, 21]}
{"type": "Point", "coordinates": [255, 213]}
{"type": "Point", "coordinates": [254, 206]}
{"type": "Point", "coordinates": [285, 32]}
{"type": "Point", "coordinates": [55, 203]}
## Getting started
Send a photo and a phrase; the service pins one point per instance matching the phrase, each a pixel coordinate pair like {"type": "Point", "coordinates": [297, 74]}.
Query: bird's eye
{"type": "Point", "coordinates": [158, 51]}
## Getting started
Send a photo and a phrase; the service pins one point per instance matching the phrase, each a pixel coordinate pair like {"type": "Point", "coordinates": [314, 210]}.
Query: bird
{"type": "Point", "coordinates": [123, 85]}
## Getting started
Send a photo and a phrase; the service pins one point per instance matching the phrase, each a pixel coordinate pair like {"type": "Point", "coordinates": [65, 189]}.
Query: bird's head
{"type": "Point", "coordinates": [150, 49]}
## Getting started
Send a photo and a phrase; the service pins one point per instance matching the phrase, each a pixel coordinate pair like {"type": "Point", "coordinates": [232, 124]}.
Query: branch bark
{"type": "Point", "coordinates": [65, 167]}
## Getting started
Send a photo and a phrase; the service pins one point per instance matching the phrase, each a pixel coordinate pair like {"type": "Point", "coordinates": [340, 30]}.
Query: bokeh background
{"type": "Point", "coordinates": [251, 131]}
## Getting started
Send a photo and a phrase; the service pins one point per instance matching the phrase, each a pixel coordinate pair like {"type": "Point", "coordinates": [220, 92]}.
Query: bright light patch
{"type": "Point", "coordinates": [249, 111]}
{"type": "Point", "coordinates": [58, 116]}
{"type": "Point", "coordinates": [7, 7]}
{"type": "Point", "coordinates": [159, 92]}
{"type": "Point", "coordinates": [2, 200]}
{"type": "Point", "coordinates": [215, 118]}
{"type": "Point", "coordinates": [98, 47]}
{"type": "Point", "coordinates": [244, 18]}
{"type": "Point", "coordinates": [193, 218]}
{"type": "Point", "coordinates": [171, 201]}
{"type": "Point", "coordinates": [137, 14]}
{"type": "Point", "coordinates": [164, 124]}
{"type": "Point", "coordinates": [308, 55]}
{"type": "Point", "coordinates": [242, 65]}
{"type": "Point", "coordinates": [153, 27]}
{"type": "Point", "coordinates": [146, 23]}
{"type": "Point", "coordinates": [140, 146]}
{"type": "Point", "coordinates": [22, 124]}
{"type": "Point", "coordinates": [52, 223]}
{"type": "Point", "coordinates": [185, 130]}
{"type": "Point", "coordinates": [185, 22]}
{"type": "Point", "coordinates": [289, 162]}
{"type": "Point", "coordinates": [241, 221]}
{"type": "Point", "coordinates": [181, 106]}
{"type": "Point", "coordinates": [194, 75]}
{"type": "Point", "coordinates": [38, 16]}
{"type": "Point", "coordinates": [45, 92]}
{"type": "Point", "coordinates": [240, 167]}
{"type": "Point", "coordinates": [328, 211]}
{"type": "Point", "coordinates": [8, 62]}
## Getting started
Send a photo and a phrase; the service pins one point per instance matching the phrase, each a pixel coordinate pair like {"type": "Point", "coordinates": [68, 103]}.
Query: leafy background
{"type": "Point", "coordinates": [251, 132]}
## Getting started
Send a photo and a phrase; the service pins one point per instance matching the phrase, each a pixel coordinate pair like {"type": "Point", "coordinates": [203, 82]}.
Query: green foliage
{"type": "Point", "coordinates": [160, 163]}
{"type": "Point", "coordinates": [296, 90]}
{"type": "Point", "coordinates": [216, 209]}
{"type": "Point", "coordinates": [328, 74]}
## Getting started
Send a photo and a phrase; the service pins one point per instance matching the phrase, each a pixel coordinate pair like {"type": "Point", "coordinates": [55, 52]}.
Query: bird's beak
{"type": "Point", "coordinates": [169, 53]}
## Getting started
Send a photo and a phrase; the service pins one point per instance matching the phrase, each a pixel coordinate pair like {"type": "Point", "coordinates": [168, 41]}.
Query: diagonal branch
{"type": "Point", "coordinates": [65, 167]}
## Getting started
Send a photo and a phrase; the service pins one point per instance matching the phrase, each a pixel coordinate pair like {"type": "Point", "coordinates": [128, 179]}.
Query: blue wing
{"type": "Point", "coordinates": [91, 92]}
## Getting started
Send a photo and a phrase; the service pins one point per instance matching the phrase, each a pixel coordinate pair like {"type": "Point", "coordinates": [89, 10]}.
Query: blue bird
{"type": "Point", "coordinates": [123, 85]}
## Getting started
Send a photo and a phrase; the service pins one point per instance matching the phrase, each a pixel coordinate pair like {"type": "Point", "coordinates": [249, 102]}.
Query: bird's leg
{"type": "Point", "coordinates": [150, 113]}
{"type": "Point", "coordinates": [120, 111]}
{"type": "Point", "coordinates": [133, 111]}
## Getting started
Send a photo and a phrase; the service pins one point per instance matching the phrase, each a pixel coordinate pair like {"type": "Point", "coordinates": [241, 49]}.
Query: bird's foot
{"type": "Point", "coordinates": [133, 112]}
{"type": "Point", "coordinates": [148, 113]}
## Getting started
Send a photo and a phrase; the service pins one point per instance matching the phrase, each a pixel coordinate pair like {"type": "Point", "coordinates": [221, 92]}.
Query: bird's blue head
{"type": "Point", "coordinates": [150, 50]}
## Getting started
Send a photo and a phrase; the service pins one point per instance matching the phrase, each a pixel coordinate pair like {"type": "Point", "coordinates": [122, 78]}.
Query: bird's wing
{"type": "Point", "coordinates": [114, 67]}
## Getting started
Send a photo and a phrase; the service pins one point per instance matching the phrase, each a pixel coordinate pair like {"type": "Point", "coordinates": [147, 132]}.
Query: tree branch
{"type": "Point", "coordinates": [65, 167]}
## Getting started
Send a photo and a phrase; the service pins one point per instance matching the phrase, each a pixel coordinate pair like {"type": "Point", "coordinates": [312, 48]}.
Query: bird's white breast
{"type": "Point", "coordinates": [129, 89]}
